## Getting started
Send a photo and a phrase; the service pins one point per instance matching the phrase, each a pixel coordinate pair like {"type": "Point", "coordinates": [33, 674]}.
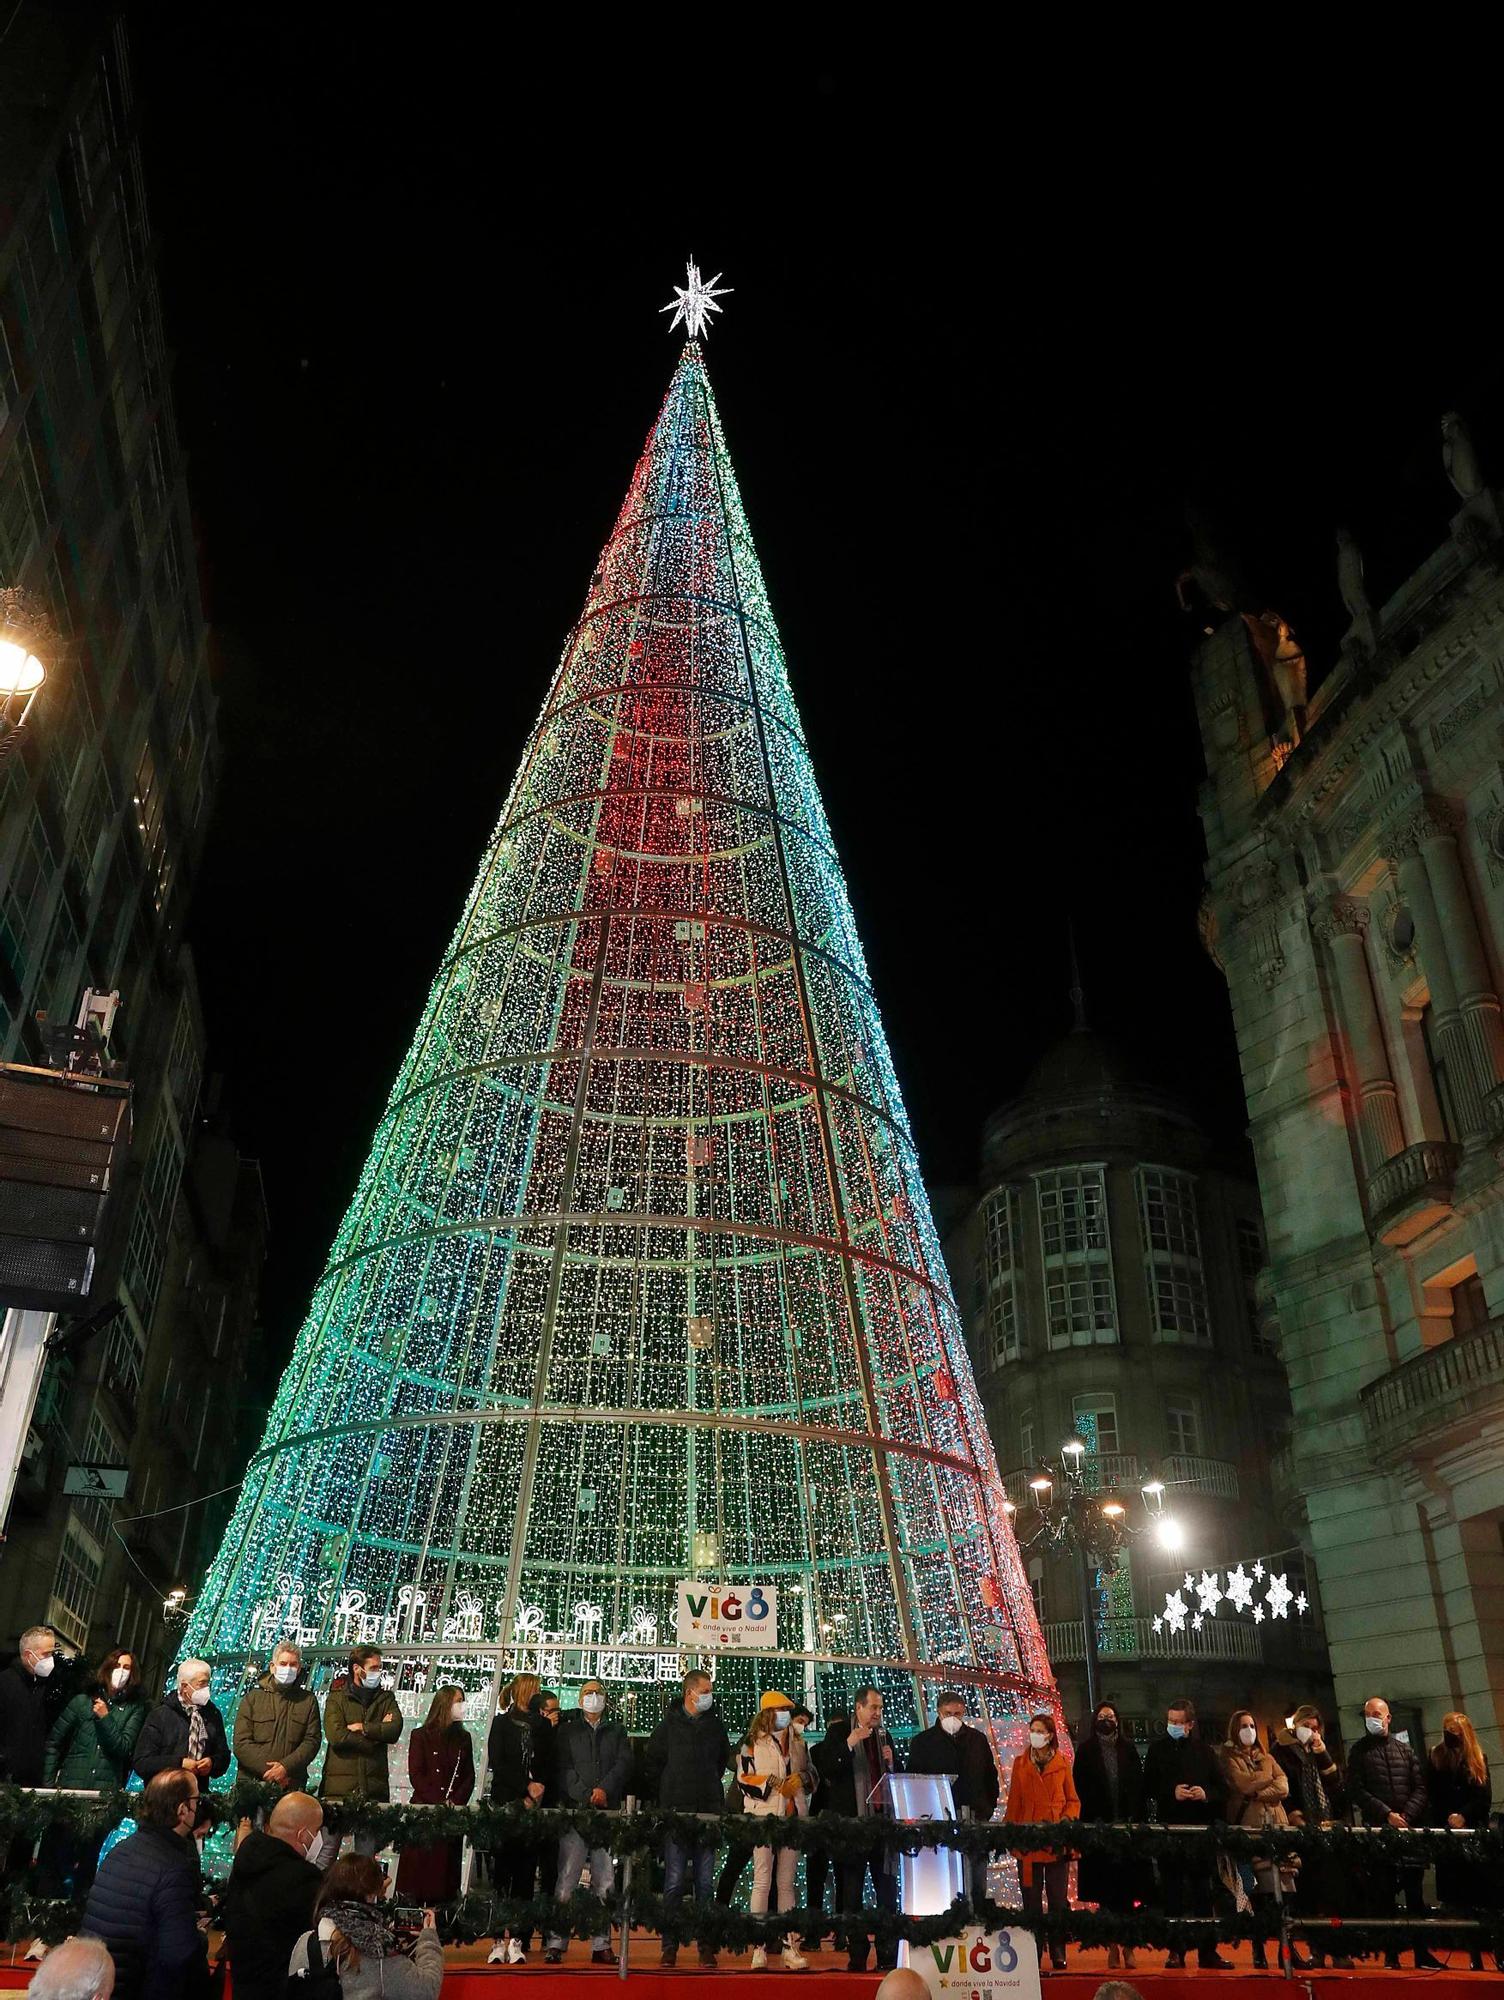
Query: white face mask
{"type": "Point", "coordinates": [200, 1697]}
{"type": "Point", "coordinates": [43, 1667]}
{"type": "Point", "coordinates": [592, 1703]}
{"type": "Point", "coordinates": [1303, 1732]}
{"type": "Point", "coordinates": [799, 1728]}
{"type": "Point", "coordinates": [782, 1717]}
{"type": "Point", "coordinates": [457, 1714]}
{"type": "Point", "coordinates": [1037, 1739]}
{"type": "Point", "coordinates": [951, 1724]}
{"type": "Point", "coordinates": [120, 1677]}
{"type": "Point", "coordinates": [704, 1703]}
{"type": "Point", "coordinates": [284, 1676]}
{"type": "Point", "coordinates": [1247, 1735]}
{"type": "Point", "coordinates": [1375, 1724]}
{"type": "Point", "coordinates": [372, 1679]}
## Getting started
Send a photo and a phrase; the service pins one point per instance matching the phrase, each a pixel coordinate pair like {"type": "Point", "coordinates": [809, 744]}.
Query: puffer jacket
{"type": "Point", "coordinates": [592, 1757]}
{"type": "Point", "coordinates": [278, 1725]}
{"type": "Point", "coordinates": [1385, 1776]}
{"type": "Point", "coordinates": [355, 1767]}
{"type": "Point", "coordinates": [92, 1753]}
{"type": "Point", "coordinates": [1256, 1786]}
{"type": "Point", "coordinates": [144, 1906]}
{"type": "Point", "coordinates": [762, 1768]}
{"type": "Point", "coordinates": [397, 1978]}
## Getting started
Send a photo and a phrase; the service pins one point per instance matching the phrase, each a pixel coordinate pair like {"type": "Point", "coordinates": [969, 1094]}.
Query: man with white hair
{"type": "Point", "coordinates": [186, 1732]}
{"type": "Point", "coordinates": [80, 1968]}
{"type": "Point", "coordinates": [277, 1733]}
{"type": "Point", "coordinates": [23, 1717]}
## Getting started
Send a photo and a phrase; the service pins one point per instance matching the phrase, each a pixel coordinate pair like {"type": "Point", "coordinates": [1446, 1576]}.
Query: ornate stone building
{"type": "Point", "coordinates": [1356, 906]}
{"type": "Point", "coordinates": [1108, 1273]}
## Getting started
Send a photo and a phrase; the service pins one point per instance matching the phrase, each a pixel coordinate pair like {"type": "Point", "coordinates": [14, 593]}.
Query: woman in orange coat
{"type": "Point", "coordinates": [1040, 1787]}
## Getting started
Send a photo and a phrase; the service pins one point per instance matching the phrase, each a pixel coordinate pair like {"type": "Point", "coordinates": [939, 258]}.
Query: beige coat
{"type": "Point", "coordinates": [762, 1769]}
{"type": "Point", "coordinates": [1256, 1786]}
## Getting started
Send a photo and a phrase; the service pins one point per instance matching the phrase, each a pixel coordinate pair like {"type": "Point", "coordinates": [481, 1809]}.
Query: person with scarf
{"type": "Point", "coordinates": [353, 1935]}
{"type": "Point", "coordinates": [441, 1766]}
{"type": "Point", "coordinates": [1109, 1780]}
{"type": "Point", "coordinates": [361, 1722]}
{"type": "Point", "coordinates": [185, 1732]}
{"type": "Point", "coordinates": [1256, 1792]}
{"type": "Point", "coordinates": [517, 1756]}
{"type": "Point", "coordinates": [90, 1750]}
{"type": "Point", "coordinates": [1040, 1788]}
{"type": "Point", "coordinates": [1459, 1790]}
{"type": "Point", "coordinates": [854, 1767]}
{"type": "Point", "coordinates": [773, 1770]}
{"type": "Point", "coordinates": [1316, 1798]}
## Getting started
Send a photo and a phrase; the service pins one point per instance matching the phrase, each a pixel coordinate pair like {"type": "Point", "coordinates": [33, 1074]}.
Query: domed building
{"type": "Point", "coordinates": [1108, 1271]}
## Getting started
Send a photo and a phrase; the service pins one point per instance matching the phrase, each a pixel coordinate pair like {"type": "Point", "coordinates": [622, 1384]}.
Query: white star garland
{"type": "Point", "coordinates": [692, 304]}
{"type": "Point", "coordinates": [1239, 1593]}
{"type": "Point", "coordinates": [1175, 1611]}
{"type": "Point", "coordinates": [1278, 1596]}
{"type": "Point", "coordinates": [1302, 1603]}
{"type": "Point", "coordinates": [1239, 1588]}
{"type": "Point", "coordinates": [1209, 1593]}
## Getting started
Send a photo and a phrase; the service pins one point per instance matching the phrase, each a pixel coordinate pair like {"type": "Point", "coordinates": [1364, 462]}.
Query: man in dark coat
{"type": "Point", "coordinates": [277, 1733]}
{"type": "Point", "coordinates": [186, 1732]}
{"type": "Point", "coordinates": [1183, 1780]}
{"type": "Point", "coordinates": [1387, 1781]}
{"type": "Point", "coordinates": [594, 1758]}
{"type": "Point", "coordinates": [853, 1767]}
{"type": "Point", "coordinates": [687, 1758]}
{"type": "Point", "coordinates": [23, 1718]}
{"type": "Point", "coordinates": [952, 1748]}
{"type": "Point", "coordinates": [269, 1897]}
{"type": "Point", "coordinates": [144, 1900]}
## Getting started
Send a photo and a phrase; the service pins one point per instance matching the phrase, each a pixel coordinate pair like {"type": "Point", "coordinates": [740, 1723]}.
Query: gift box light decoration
{"type": "Point", "coordinates": [641, 1258]}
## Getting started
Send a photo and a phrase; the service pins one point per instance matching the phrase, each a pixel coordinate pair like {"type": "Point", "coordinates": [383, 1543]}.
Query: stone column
{"type": "Point", "coordinates": [1341, 925]}
{"type": "Point", "coordinates": [1465, 1009]}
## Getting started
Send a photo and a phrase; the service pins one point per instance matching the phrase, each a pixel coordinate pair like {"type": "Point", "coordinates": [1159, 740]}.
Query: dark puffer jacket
{"type": "Point", "coordinates": [278, 1725]}
{"type": "Point", "coordinates": [1384, 1776]}
{"type": "Point", "coordinates": [966, 1759]}
{"type": "Point", "coordinates": [92, 1753]}
{"type": "Point", "coordinates": [268, 1904]}
{"type": "Point", "coordinates": [592, 1757]}
{"type": "Point", "coordinates": [163, 1742]}
{"type": "Point", "coordinates": [143, 1905]}
{"type": "Point", "coordinates": [687, 1759]}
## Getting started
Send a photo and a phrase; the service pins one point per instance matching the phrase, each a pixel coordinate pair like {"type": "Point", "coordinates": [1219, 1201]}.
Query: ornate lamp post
{"type": "Point", "coordinates": [1090, 1527]}
{"type": "Point", "coordinates": [25, 633]}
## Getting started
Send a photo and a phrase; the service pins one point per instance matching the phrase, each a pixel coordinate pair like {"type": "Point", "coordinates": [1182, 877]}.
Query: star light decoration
{"type": "Point", "coordinates": [1239, 1588]}
{"type": "Point", "coordinates": [1176, 1609]}
{"type": "Point", "coordinates": [1279, 1596]}
{"type": "Point", "coordinates": [692, 304]}
{"type": "Point", "coordinates": [1210, 1593]}
{"type": "Point", "coordinates": [1239, 1593]}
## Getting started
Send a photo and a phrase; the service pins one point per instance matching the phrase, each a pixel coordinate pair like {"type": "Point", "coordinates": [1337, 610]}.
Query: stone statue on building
{"type": "Point", "coordinates": [1460, 457]}
{"type": "Point", "coordinates": [1283, 660]}
{"type": "Point", "coordinates": [1362, 634]}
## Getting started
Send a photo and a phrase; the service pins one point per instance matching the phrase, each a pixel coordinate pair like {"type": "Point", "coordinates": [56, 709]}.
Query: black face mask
{"type": "Point", "coordinates": [1105, 1726]}
{"type": "Point", "coordinates": [1453, 1740]}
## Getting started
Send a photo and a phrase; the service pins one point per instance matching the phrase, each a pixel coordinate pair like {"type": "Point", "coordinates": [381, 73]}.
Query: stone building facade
{"type": "Point", "coordinates": [1356, 905]}
{"type": "Point", "coordinates": [1107, 1269]}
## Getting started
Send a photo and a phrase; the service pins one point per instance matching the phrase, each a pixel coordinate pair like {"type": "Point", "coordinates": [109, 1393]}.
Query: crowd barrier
{"type": "Point", "coordinates": [1367, 1860]}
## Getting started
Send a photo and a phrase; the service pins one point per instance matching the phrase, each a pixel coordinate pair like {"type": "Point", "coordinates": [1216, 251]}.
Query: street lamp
{"type": "Point", "coordinates": [1091, 1528]}
{"type": "Point", "coordinates": [24, 632]}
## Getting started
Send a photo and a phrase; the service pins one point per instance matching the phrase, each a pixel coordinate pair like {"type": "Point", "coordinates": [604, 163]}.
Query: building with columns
{"type": "Point", "coordinates": [1355, 902]}
{"type": "Point", "coordinates": [1108, 1269]}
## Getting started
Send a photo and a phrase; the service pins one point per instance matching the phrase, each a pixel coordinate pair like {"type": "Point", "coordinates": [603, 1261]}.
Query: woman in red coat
{"type": "Point", "coordinates": [441, 1764]}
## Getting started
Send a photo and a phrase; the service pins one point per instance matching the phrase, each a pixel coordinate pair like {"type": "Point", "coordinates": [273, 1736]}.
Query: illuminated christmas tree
{"type": "Point", "coordinates": [640, 1282]}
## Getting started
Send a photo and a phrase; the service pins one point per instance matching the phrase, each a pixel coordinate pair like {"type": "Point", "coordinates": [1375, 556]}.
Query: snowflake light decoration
{"type": "Point", "coordinates": [1278, 1596]}
{"type": "Point", "coordinates": [692, 304]}
{"type": "Point", "coordinates": [1302, 1604]}
{"type": "Point", "coordinates": [1190, 1581]}
{"type": "Point", "coordinates": [1196, 1622]}
{"type": "Point", "coordinates": [1239, 1588]}
{"type": "Point", "coordinates": [1176, 1610]}
{"type": "Point", "coordinates": [1258, 1614]}
{"type": "Point", "coordinates": [1258, 1569]}
{"type": "Point", "coordinates": [1210, 1593]}
{"type": "Point", "coordinates": [1158, 1625]}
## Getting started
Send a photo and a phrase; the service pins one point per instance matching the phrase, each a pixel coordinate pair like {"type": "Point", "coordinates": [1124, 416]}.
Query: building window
{"type": "Point", "coordinates": [101, 1447]}
{"type": "Point", "coordinates": [75, 1585]}
{"type": "Point", "coordinates": [1441, 1076]}
{"type": "Point", "coordinates": [143, 1260]}
{"type": "Point", "coordinates": [1251, 1267]}
{"type": "Point", "coordinates": [1183, 1430]}
{"type": "Point", "coordinates": [1036, 1585]}
{"type": "Point", "coordinates": [1172, 1255]}
{"type": "Point", "coordinates": [1095, 1420]}
{"type": "Point", "coordinates": [1000, 1251]}
{"type": "Point", "coordinates": [1080, 1302]}
{"type": "Point", "coordinates": [124, 1359]}
{"type": "Point", "coordinates": [1469, 1306]}
{"type": "Point", "coordinates": [1026, 1440]}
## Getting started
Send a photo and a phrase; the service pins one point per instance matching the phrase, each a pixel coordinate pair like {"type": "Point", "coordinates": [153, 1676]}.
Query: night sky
{"type": "Point", "coordinates": [968, 385]}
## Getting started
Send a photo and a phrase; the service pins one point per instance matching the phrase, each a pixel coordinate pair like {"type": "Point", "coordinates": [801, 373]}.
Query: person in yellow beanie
{"type": "Point", "coordinates": [773, 1771]}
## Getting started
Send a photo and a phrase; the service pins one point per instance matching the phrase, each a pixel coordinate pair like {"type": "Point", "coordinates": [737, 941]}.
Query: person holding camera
{"type": "Point", "coordinates": [355, 1937]}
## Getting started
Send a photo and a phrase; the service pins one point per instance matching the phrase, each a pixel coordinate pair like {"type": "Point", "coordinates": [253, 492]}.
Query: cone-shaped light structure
{"type": "Point", "coordinates": [640, 1281]}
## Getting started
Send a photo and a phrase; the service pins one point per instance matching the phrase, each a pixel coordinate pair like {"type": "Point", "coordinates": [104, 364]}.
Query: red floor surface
{"type": "Point", "coordinates": [827, 1974]}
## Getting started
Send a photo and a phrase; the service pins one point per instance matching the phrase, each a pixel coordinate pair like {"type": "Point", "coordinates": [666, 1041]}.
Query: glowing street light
{"type": "Point", "coordinates": [21, 672]}
{"type": "Point", "coordinates": [24, 631]}
{"type": "Point", "coordinates": [1170, 1536]}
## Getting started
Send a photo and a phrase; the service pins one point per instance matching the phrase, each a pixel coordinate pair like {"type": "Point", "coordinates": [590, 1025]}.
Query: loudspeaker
{"type": "Point", "coordinates": [58, 1138]}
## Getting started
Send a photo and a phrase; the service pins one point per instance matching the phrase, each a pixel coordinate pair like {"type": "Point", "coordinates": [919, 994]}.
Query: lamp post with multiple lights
{"type": "Point", "coordinates": [1091, 1527]}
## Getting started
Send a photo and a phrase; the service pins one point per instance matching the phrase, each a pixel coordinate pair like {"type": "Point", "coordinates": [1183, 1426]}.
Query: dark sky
{"type": "Point", "coordinates": [967, 383]}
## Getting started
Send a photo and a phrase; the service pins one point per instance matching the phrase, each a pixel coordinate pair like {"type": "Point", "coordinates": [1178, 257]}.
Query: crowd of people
{"type": "Point", "coordinates": [294, 1901]}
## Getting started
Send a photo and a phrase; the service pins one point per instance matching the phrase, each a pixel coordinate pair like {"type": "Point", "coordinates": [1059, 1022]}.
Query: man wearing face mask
{"type": "Point", "coordinates": [1183, 1780]}
{"type": "Point", "coordinates": [361, 1722]}
{"type": "Point", "coordinates": [144, 1902]}
{"type": "Point", "coordinates": [269, 1896]}
{"type": "Point", "coordinates": [1386, 1781]}
{"type": "Point", "coordinates": [953, 1749]}
{"type": "Point", "coordinates": [23, 1711]}
{"type": "Point", "coordinates": [277, 1733]}
{"type": "Point", "coordinates": [687, 1758]}
{"type": "Point", "coordinates": [594, 1758]}
{"type": "Point", "coordinates": [185, 1732]}
{"type": "Point", "coordinates": [1318, 1793]}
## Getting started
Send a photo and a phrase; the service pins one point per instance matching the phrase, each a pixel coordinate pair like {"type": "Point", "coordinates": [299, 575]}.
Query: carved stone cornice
{"type": "Point", "coordinates": [1341, 916]}
{"type": "Point", "coordinates": [1433, 819]}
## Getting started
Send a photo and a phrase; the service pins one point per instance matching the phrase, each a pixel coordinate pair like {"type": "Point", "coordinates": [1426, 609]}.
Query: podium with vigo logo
{"type": "Point", "coordinates": [978, 1962]}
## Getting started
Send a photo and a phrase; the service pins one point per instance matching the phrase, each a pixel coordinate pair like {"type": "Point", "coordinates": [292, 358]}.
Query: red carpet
{"type": "Point", "coordinates": [647, 1980]}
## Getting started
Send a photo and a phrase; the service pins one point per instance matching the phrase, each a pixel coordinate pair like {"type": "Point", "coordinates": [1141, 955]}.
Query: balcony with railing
{"type": "Point", "coordinates": [1437, 1400]}
{"type": "Point", "coordinates": [1124, 1472]}
{"type": "Point", "coordinates": [1413, 1191]}
{"type": "Point", "coordinates": [1230, 1638]}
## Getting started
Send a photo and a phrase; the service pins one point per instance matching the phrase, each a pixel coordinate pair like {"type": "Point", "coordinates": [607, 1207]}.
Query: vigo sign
{"type": "Point", "coordinates": [728, 1617]}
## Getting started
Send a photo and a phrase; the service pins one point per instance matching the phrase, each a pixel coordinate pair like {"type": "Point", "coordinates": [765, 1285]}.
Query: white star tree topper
{"type": "Point", "coordinates": [693, 303]}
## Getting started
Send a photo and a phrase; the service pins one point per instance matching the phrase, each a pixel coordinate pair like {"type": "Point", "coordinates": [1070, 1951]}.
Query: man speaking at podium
{"type": "Point", "coordinates": [952, 1748]}
{"type": "Point", "coordinates": [855, 1771]}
